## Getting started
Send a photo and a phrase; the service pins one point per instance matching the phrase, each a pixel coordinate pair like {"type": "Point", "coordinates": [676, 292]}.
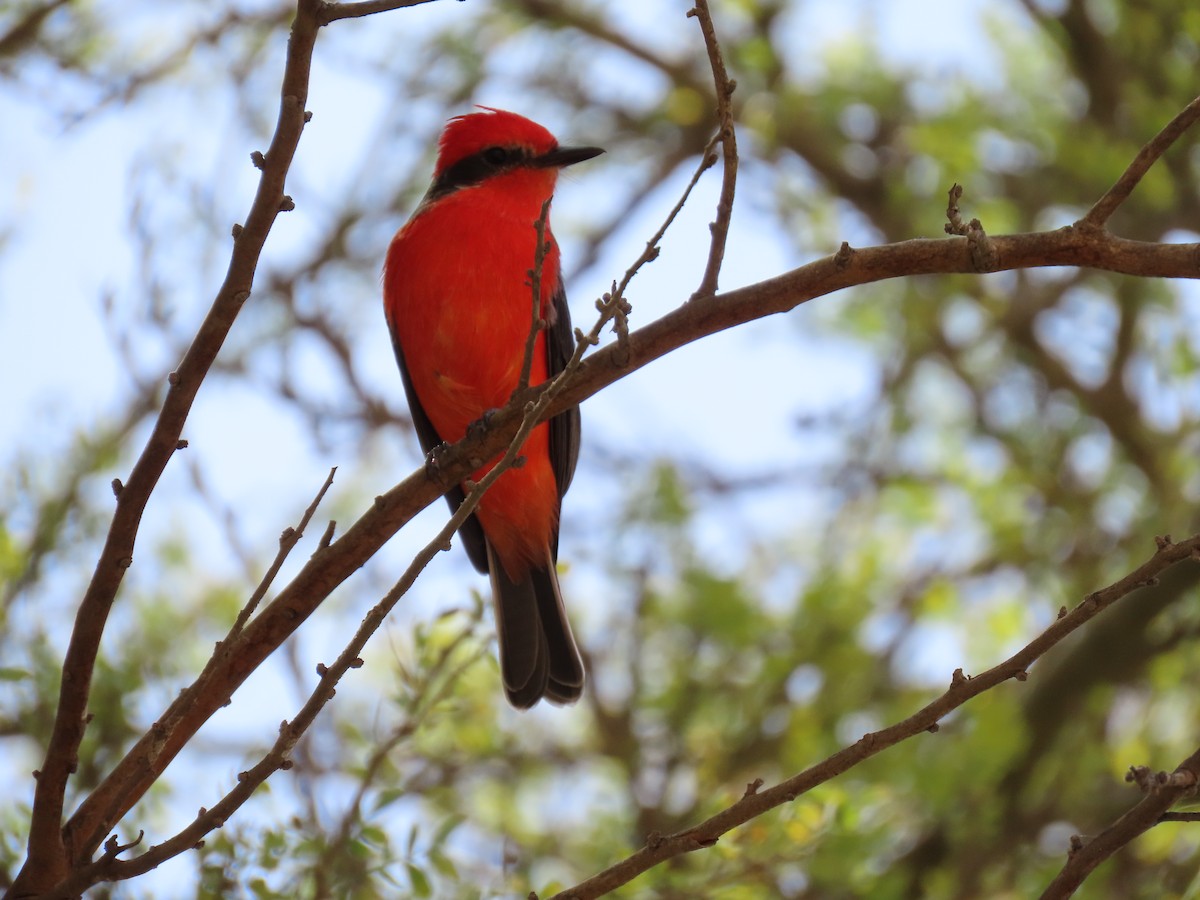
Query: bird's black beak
{"type": "Point", "coordinates": [565, 156]}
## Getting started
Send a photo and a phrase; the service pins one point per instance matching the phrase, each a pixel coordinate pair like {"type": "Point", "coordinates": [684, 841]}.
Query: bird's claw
{"type": "Point", "coordinates": [480, 426]}
{"type": "Point", "coordinates": [433, 460]}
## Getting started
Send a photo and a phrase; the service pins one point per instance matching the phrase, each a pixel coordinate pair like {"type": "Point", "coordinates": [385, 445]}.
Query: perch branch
{"type": "Point", "coordinates": [583, 378]}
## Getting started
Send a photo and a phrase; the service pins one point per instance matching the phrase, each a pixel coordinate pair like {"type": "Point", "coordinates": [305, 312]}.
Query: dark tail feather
{"type": "Point", "coordinates": [538, 656]}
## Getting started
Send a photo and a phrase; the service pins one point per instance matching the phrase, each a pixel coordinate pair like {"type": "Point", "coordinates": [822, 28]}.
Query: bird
{"type": "Point", "coordinates": [458, 302]}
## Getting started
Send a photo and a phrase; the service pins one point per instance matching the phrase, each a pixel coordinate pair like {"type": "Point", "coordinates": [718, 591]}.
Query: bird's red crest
{"type": "Point", "coordinates": [469, 134]}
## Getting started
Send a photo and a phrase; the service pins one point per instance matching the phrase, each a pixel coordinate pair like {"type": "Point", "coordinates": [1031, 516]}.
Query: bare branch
{"type": "Point", "coordinates": [536, 323]}
{"type": "Point", "coordinates": [1100, 213]}
{"type": "Point", "coordinates": [51, 849]}
{"type": "Point", "coordinates": [25, 30]}
{"type": "Point", "coordinates": [287, 541]}
{"type": "Point", "coordinates": [728, 137]}
{"type": "Point", "coordinates": [1085, 855]}
{"type": "Point", "coordinates": [108, 868]}
{"type": "Point", "coordinates": [331, 12]}
{"type": "Point", "coordinates": [615, 299]}
{"type": "Point", "coordinates": [707, 160]}
{"type": "Point", "coordinates": [581, 379]}
{"type": "Point", "coordinates": [755, 802]}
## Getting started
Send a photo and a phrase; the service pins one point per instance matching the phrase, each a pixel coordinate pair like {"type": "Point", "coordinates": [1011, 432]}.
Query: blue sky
{"type": "Point", "coordinates": [68, 188]}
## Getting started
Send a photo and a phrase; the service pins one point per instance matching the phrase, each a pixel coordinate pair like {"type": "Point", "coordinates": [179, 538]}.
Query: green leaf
{"type": "Point", "coordinates": [419, 881]}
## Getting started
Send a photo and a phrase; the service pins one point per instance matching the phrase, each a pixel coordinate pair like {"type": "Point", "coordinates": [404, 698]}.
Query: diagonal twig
{"type": "Point", "coordinates": [724, 87]}
{"type": "Point", "coordinates": [1086, 855]}
{"type": "Point", "coordinates": [287, 541]}
{"type": "Point", "coordinates": [1103, 209]}
{"type": "Point", "coordinates": [332, 12]}
{"type": "Point", "coordinates": [962, 688]}
{"type": "Point", "coordinates": [537, 324]}
{"type": "Point", "coordinates": [615, 300]}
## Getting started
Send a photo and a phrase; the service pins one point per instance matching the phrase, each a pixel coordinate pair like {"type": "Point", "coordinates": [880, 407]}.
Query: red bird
{"type": "Point", "coordinates": [457, 297]}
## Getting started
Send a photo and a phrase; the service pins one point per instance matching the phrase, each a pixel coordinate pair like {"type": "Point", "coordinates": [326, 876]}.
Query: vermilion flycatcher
{"type": "Point", "coordinates": [458, 300]}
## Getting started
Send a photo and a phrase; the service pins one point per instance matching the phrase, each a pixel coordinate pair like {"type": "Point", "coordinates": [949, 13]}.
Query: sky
{"type": "Point", "coordinates": [67, 192]}
{"type": "Point", "coordinates": [70, 255]}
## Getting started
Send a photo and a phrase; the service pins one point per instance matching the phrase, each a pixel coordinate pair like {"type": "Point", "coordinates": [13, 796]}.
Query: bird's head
{"type": "Point", "coordinates": [479, 146]}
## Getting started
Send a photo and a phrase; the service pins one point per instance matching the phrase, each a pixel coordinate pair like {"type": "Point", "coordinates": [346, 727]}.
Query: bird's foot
{"type": "Point", "coordinates": [480, 426]}
{"type": "Point", "coordinates": [433, 461]}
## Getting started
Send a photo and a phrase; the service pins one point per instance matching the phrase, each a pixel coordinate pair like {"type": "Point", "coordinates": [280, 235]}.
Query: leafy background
{"type": "Point", "coordinates": [781, 538]}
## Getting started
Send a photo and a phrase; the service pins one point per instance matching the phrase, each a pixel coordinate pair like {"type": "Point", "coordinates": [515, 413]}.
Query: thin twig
{"type": "Point", "coordinates": [615, 301]}
{"type": "Point", "coordinates": [537, 324]}
{"type": "Point", "coordinates": [331, 12]}
{"type": "Point", "coordinates": [1100, 213]}
{"type": "Point", "coordinates": [287, 541]}
{"type": "Point", "coordinates": [724, 87]}
{"type": "Point", "coordinates": [1179, 817]}
{"type": "Point", "coordinates": [707, 160]}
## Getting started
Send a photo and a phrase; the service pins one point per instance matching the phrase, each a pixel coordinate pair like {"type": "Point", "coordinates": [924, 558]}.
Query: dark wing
{"type": "Point", "coordinates": [564, 428]}
{"type": "Point", "coordinates": [471, 530]}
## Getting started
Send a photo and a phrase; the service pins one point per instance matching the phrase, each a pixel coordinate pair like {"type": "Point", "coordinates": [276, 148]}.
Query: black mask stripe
{"type": "Point", "coordinates": [476, 168]}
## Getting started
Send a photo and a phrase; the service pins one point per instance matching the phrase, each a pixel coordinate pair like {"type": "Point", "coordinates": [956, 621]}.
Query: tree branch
{"type": "Point", "coordinates": [537, 324]}
{"type": "Point", "coordinates": [1086, 855]}
{"type": "Point", "coordinates": [724, 90]}
{"type": "Point", "coordinates": [1103, 209]}
{"type": "Point", "coordinates": [962, 688]}
{"type": "Point", "coordinates": [50, 849]}
{"type": "Point", "coordinates": [331, 12]}
{"type": "Point", "coordinates": [54, 849]}
{"type": "Point", "coordinates": [287, 542]}
{"type": "Point", "coordinates": [332, 565]}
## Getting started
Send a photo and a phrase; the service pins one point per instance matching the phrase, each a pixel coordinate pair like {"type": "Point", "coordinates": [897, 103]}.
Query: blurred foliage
{"type": "Point", "coordinates": [1026, 437]}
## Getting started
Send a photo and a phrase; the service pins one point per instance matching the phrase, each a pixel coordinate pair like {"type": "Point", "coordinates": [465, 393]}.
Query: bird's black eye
{"type": "Point", "coordinates": [497, 156]}
{"type": "Point", "coordinates": [479, 167]}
